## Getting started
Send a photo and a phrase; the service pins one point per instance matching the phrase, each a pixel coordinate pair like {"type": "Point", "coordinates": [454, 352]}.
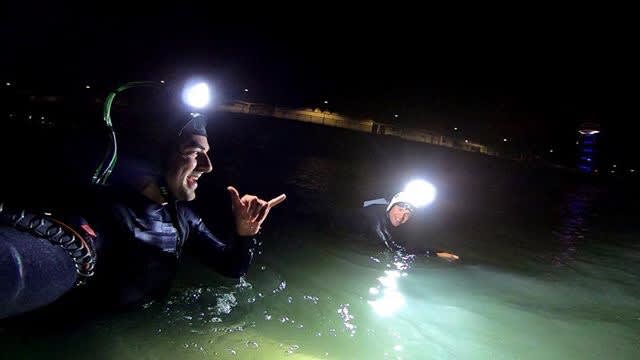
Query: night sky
{"type": "Point", "coordinates": [528, 78]}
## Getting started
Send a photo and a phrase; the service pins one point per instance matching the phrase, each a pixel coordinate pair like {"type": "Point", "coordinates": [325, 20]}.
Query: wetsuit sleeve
{"type": "Point", "coordinates": [231, 257]}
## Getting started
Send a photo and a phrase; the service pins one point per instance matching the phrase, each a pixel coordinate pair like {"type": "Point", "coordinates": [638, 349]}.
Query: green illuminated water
{"type": "Point", "coordinates": [550, 270]}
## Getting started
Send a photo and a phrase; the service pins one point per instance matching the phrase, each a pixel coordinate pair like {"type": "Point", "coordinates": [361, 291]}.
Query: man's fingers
{"type": "Point", "coordinates": [253, 205]}
{"type": "Point", "coordinates": [277, 200]}
{"type": "Point", "coordinates": [448, 256]}
{"type": "Point", "coordinates": [256, 209]}
{"type": "Point", "coordinates": [235, 196]}
{"type": "Point", "coordinates": [452, 257]}
{"type": "Point", "coordinates": [261, 213]}
{"type": "Point", "coordinates": [267, 207]}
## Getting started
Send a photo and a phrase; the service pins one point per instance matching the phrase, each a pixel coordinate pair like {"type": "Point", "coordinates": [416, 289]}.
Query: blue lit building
{"type": "Point", "coordinates": [588, 154]}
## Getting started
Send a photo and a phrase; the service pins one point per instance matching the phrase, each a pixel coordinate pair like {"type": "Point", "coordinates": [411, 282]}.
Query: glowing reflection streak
{"type": "Point", "coordinates": [392, 300]}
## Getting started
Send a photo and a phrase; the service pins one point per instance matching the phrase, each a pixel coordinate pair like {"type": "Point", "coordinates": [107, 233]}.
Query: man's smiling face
{"type": "Point", "coordinates": [186, 165]}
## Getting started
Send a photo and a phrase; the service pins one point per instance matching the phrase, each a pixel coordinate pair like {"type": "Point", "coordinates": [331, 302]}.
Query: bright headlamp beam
{"type": "Point", "coordinates": [197, 95]}
{"type": "Point", "coordinates": [421, 193]}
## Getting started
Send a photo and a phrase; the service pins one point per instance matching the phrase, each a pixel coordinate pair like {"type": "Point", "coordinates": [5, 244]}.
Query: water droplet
{"type": "Point", "coordinates": [281, 286]}
{"type": "Point", "coordinates": [226, 302]}
{"type": "Point", "coordinates": [252, 344]}
{"type": "Point", "coordinates": [292, 348]}
{"type": "Point", "coordinates": [312, 299]}
{"type": "Point", "coordinates": [147, 305]}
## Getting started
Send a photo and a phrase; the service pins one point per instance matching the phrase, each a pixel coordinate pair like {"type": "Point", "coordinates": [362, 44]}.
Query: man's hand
{"type": "Point", "coordinates": [447, 256]}
{"type": "Point", "coordinates": [250, 211]}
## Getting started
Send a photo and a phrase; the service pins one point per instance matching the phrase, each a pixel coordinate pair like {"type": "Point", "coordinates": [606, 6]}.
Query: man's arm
{"type": "Point", "coordinates": [231, 257]}
{"type": "Point", "coordinates": [445, 255]}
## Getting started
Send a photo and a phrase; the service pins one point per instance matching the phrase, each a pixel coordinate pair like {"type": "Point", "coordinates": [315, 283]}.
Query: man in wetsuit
{"type": "Point", "coordinates": [125, 241]}
{"type": "Point", "coordinates": [382, 218]}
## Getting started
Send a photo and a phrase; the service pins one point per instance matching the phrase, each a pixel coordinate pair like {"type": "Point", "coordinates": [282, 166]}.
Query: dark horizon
{"type": "Point", "coordinates": [534, 87]}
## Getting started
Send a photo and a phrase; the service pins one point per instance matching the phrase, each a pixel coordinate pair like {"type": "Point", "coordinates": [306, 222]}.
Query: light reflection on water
{"type": "Point", "coordinates": [539, 287]}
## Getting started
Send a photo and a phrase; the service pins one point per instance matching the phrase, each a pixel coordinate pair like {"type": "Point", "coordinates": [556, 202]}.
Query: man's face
{"type": "Point", "coordinates": [399, 214]}
{"type": "Point", "coordinates": [186, 165]}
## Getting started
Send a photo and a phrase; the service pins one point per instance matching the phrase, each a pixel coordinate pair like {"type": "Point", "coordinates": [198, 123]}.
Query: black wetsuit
{"type": "Point", "coordinates": [376, 225]}
{"type": "Point", "coordinates": [142, 246]}
{"type": "Point", "coordinates": [138, 243]}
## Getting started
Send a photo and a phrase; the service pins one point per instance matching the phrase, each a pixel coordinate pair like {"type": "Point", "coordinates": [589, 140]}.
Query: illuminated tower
{"type": "Point", "coordinates": [588, 147]}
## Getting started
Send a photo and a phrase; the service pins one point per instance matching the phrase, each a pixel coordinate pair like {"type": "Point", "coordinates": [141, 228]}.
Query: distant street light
{"type": "Point", "coordinates": [505, 140]}
{"type": "Point", "coordinates": [326, 101]}
{"type": "Point", "coordinates": [455, 129]}
{"type": "Point", "coordinates": [395, 115]}
{"type": "Point", "coordinates": [551, 150]}
{"type": "Point", "coordinates": [246, 90]}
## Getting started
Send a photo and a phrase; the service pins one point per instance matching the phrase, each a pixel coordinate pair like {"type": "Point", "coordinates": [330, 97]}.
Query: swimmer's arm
{"type": "Point", "coordinates": [442, 254]}
{"type": "Point", "coordinates": [230, 257]}
{"type": "Point", "coordinates": [447, 256]}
